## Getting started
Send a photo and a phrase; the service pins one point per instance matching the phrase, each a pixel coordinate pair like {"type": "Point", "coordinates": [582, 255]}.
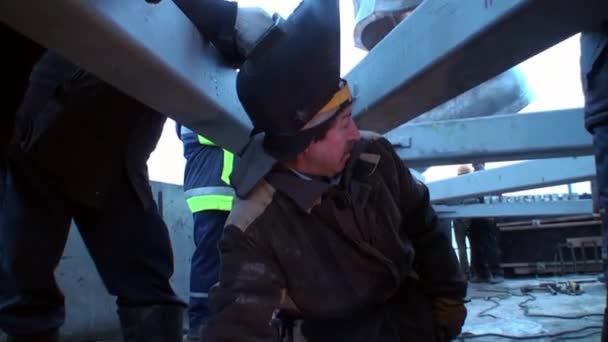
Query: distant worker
{"type": "Point", "coordinates": [483, 241]}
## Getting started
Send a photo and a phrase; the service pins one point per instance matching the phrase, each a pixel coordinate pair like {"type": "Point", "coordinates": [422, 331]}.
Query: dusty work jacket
{"type": "Point", "coordinates": [345, 257]}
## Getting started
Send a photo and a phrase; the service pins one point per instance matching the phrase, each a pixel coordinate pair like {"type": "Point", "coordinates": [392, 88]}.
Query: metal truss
{"type": "Point", "coordinates": [152, 52]}
{"type": "Point", "coordinates": [446, 47]}
{"type": "Point", "coordinates": [453, 46]}
{"type": "Point", "coordinates": [520, 176]}
{"type": "Point", "coordinates": [548, 134]}
{"type": "Point", "coordinates": [534, 209]}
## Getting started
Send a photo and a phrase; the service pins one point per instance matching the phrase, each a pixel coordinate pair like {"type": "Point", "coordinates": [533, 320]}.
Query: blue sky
{"type": "Point", "coordinates": [553, 77]}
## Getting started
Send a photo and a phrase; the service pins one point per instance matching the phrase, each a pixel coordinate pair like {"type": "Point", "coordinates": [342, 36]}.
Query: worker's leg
{"type": "Point", "coordinates": [34, 223]}
{"type": "Point", "coordinates": [460, 233]}
{"type": "Point", "coordinates": [131, 248]}
{"type": "Point", "coordinates": [493, 251]}
{"type": "Point", "coordinates": [204, 273]}
{"type": "Point", "coordinates": [478, 238]}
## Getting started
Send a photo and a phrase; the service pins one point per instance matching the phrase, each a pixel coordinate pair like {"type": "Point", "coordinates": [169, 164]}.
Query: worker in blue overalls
{"type": "Point", "coordinates": [209, 197]}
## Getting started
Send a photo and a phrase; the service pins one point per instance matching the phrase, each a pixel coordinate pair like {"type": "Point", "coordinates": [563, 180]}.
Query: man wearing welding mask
{"type": "Point", "coordinates": [331, 235]}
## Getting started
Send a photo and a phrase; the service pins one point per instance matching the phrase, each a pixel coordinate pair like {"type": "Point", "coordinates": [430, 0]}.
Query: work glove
{"type": "Point", "coordinates": [251, 25]}
{"type": "Point", "coordinates": [449, 315]}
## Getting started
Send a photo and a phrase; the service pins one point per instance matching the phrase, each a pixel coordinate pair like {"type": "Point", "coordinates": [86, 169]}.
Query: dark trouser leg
{"type": "Point", "coordinates": [485, 232]}
{"type": "Point", "coordinates": [493, 248]}
{"type": "Point", "coordinates": [600, 144]}
{"type": "Point", "coordinates": [483, 235]}
{"type": "Point", "coordinates": [34, 223]}
{"type": "Point", "coordinates": [204, 273]}
{"type": "Point", "coordinates": [478, 260]}
{"type": "Point", "coordinates": [131, 248]}
{"type": "Point", "coordinates": [460, 233]}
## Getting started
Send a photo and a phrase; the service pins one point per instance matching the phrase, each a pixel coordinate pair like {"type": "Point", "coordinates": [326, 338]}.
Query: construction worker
{"type": "Point", "coordinates": [79, 151]}
{"type": "Point", "coordinates": [209, 197]}
{"type": "Point", "coordinates": [330, 230]}
{"type": "Point", "coordinates": [461, 231]}
{"type": "Point", "coordinates": [594, 79]}
{"type": "Point", "coordinates": [483, 238]}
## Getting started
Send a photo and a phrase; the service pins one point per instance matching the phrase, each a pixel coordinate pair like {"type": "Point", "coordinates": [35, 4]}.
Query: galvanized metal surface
{"type": "Point", "coordinates": [520, 176]}
{"type": "Point", "coordinates": [375, 18]}
{"type": "Point", "coordinates": [536, 209]}
{"type": "Point", "coordinates": [152, 52]}
{"type": "Point", "coordinates": [446, 47]}
{"type": "Point", "coordinates": [550, 134]}
{"type": "Point", "coordinates": [504, 94]}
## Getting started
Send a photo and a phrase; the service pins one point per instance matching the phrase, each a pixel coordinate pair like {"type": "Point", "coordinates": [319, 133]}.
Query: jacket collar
{"type": "Point", "coordinates": [307, 191]}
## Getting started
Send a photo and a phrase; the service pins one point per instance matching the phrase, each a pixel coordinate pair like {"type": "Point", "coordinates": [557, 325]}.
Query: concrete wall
{"type": "Point", "coordinates": [90, 311]}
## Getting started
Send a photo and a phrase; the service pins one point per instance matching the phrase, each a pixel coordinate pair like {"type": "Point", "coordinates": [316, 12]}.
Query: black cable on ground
{"type": "Point", "coordinates": [484, 312]}
{"type": "Point", "coordinates": [469, 336]}
{"type": "Point", "coordinates": [523, 305]}
{"type": "Point", "coordinates": [579, 336]}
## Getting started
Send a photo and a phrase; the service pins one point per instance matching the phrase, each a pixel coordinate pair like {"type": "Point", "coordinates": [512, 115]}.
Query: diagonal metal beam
{"type": "Point", "coordinates": [535, 209]}
{"type": "Point", "coordinates": [152, 52]}
{"type": "Point", "coordinates": [521, 176]}
{"type": "Point", "coordinates": [550, 134]}
{"type": "Point", "coordinates": [446, 47]}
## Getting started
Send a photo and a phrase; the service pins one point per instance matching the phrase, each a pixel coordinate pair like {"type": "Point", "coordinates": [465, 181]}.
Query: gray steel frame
{"type": "Point", "coordinates": [152, 52]}
{"type": "Point", "coordinates": [535, 209]}
{"type": "Point", "coordinates": [548, 134]}
{"type": "Point", "coordinates": [520, 176]}
{"type": "Point", "coordinates": [446, 47]}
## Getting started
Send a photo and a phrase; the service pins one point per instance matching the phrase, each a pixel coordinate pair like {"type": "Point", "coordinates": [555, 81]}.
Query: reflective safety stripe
{"type": "Point", "coordinates": [199, 295]}
{"type": "Point", "coordinates": [210, 198]}
{"type": "Point", "coordinates": [204, 141]}
{"type": "Point", "coordinates": [210, 202]}
{"type": "Point", "coordinates": [227, 168]}
{"type": "Point", "coordinates": [228, 159]}
{"type": "Point", "coordinates": [228, 156]}
{"type": "Point", "coordinates": [210, 190]}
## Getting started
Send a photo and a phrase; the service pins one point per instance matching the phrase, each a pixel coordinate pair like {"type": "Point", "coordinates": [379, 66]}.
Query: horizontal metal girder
{"type": "Point", "coordinates": [520, 176]}
{"type": "Point", "coordinates": [548, 134]}
{"type": "Point", "coordinates": [152, 52]}
{"type": "Point", "coordinates": [446, 47]}
{"type": "Point", "coordinates": [535, 209]}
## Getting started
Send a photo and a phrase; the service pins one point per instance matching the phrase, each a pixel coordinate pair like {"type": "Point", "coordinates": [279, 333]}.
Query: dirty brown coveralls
{"type": "Point", "coordinates": [347, 256]}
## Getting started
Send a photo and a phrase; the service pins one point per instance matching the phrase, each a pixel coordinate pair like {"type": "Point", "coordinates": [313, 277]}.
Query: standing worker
{"type": "Point", "coordinates": [79, 151]}
{"type": "Point", "coordinates": [209, 197]}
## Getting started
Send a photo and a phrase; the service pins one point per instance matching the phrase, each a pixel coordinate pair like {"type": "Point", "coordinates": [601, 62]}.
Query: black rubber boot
{"type": "Point", "coordinates": [46, 336]}
{"type": "Point", "coordinates": [155, 323]}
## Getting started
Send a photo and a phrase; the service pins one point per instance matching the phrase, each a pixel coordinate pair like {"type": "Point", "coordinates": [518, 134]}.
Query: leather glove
{"type": "Point", "coordinates": [449, 315]}
{"type": "Point", "coordinates": [251, 25]}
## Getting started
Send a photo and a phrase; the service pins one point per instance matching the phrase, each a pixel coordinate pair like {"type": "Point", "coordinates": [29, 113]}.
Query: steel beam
{"type": "Point", "coordinates": [446, 47]}
{"type": "Point", "coordinates": [152, 52]}
{"type": "Point", "coordinates": [548, 134]}
{"type": "Point", "coordinates": [535, 209]}
{"type": "Point", "coordinates": [521, 176]}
